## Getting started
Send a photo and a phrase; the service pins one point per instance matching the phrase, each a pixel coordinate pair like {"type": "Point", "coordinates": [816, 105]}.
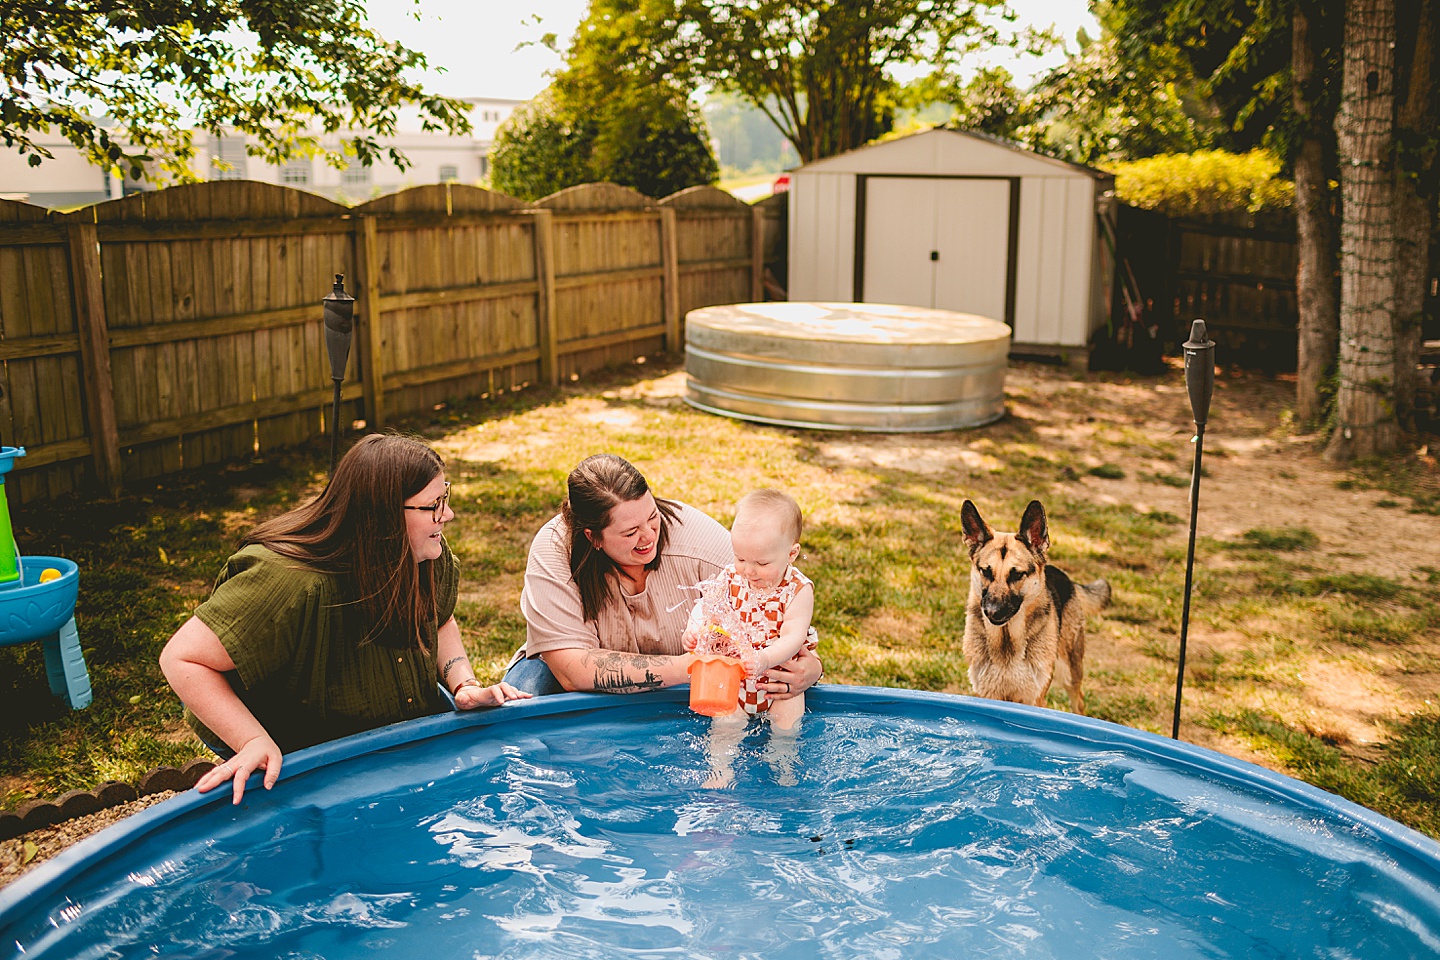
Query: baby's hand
{"type": "Point", "coordinates": [688, 639]}
{"type": "Point", "coordinates": [750, 660]}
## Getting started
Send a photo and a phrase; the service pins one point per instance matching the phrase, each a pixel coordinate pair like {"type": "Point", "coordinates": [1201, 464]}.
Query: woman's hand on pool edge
{"type": "Point", "coordinates": [795, 676]}
{"type": "Point", "coordinates": [258, 753]}
{"type": "Point", "coordinates": [469, 697]}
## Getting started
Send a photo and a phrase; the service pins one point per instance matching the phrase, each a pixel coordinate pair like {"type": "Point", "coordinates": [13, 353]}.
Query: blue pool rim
{"type": "Point", "coordinates": [50, 878]}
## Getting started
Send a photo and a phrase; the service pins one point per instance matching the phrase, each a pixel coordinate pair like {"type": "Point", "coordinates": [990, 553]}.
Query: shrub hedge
{"type": "Point", "coordinates": [1243, 189]}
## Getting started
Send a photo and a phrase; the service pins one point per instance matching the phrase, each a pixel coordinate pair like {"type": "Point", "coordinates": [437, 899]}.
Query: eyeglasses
{"type": "Point", "coordinates": [437, 509]}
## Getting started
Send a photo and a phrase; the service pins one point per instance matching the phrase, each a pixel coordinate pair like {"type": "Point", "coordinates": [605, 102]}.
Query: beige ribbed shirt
{"type": "Point", "coordinates": [648, 622]}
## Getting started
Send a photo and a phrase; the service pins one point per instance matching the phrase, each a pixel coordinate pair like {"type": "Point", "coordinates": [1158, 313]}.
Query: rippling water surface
{"type": "Point", "coordinates": [589, 835]}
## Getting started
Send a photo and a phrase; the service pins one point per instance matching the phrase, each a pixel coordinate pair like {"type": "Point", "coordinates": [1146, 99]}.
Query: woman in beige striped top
{"type": "Point", "coordinates": [605, 597]}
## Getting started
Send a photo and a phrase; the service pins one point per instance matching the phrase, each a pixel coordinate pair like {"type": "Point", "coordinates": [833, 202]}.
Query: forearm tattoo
{"type": "Point", "coordinates": [614, 672]}
{"type": "Point", "coordinates": [445, 671]}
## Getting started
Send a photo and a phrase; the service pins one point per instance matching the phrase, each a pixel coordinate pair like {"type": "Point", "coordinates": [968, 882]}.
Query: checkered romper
{"type": "Point", "coordinates": [765, 612]}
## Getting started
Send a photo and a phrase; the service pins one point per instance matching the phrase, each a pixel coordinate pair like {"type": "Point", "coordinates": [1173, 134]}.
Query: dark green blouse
{"type": "Point", "coordinates": [294, 635]}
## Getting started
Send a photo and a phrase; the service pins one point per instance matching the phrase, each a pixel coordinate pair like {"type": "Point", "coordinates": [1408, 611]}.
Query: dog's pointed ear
{"type": "Point", "coordinates": [977, 532]}
{"type": "Point", "coordinates": [1034, 531]}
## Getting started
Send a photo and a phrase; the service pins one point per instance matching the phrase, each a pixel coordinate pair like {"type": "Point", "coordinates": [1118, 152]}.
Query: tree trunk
{"type": "Point", "coordinates": [1365, 407]}
{"type": "Point", "coordinates": [1414, 200]}
{"type": "Point", "coordinates": [1319, 322]}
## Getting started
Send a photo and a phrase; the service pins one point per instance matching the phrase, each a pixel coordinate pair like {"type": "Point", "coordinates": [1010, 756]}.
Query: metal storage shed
{"type": "Point", "coordinates": [958, 221]}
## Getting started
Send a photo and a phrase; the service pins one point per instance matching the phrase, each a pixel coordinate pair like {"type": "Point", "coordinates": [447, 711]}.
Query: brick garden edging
{"type": "Point", "coordinates": [78, 803]}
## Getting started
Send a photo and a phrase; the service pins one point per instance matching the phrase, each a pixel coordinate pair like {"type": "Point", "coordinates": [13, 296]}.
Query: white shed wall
{"type": "Point", "coordinates": [1054, 303]}
{"type": "Point", "coordinates": [822, 236]}
{"type": "Point", "coordinates": [1057, 302]}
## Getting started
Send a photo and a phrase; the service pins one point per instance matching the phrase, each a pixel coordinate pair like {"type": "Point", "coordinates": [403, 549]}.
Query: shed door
{"type": "Point", "coordinates": [937, 242]}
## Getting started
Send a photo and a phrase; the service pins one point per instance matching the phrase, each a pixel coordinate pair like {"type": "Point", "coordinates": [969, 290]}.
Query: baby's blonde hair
{"type": "Point", "coordinates": [777, 503]}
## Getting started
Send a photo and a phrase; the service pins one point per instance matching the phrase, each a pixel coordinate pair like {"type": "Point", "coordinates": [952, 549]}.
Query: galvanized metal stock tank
{"type": "Point", "coordinates": [848, 366]}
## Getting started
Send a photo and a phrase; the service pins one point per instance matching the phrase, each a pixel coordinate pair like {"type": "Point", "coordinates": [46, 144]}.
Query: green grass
{"type": "Point", "coordinates": [1404, 785]}
{"type": "Point", "coordinates": [144, 563]}
{"type": "Point", "coordinates": [1167, 479]}
{"type": "Point", "coordinates": [1283, 539]}
{"type": "Point", "coordinates": [882, 544]}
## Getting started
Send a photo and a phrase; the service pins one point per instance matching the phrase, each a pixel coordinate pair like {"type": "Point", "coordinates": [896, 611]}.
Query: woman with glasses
{"type": "Point", "coordinates": [334, 618]}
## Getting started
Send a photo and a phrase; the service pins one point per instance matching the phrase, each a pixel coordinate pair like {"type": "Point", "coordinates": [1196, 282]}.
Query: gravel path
{"type": "Point", "coordinates": [32, 849]}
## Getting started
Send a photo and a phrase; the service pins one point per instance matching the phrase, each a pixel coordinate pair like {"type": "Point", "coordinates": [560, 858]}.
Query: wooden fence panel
{"type": "Point", "coordinates": [1243, 283]}
{"type": "Point", "coordinates": [41, 399]}
{"type": "Point", "coordinates": [717, 253]}
{"type": "Point", "coordinates": [457, 295]}
{"type": "Point", "coordinates": [208, 308]}
{"type": "Point", "coordinates": [214, 311]}
{"type": "Point", "coordinates": [609, 296]}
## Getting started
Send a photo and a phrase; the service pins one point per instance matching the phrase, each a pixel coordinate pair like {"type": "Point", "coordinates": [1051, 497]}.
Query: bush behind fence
{"type": "Point", "coordinates": [178, 328]}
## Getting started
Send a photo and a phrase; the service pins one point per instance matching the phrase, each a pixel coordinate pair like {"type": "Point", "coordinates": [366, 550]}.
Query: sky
{"type": "Point", "coordinates": [475, 41]}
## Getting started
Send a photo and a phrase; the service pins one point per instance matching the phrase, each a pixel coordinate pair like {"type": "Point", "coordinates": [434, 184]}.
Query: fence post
{"type": "Point", "coordinates": [670, 279]}
{"type": "Point", "coordinates": [372, 366]}
{"type": "Point", "coordinates": [95, 354]}
{"type": "Point", "coordinates": [546, 330]}
{"type": "Point", "coordinates": [757, 254]}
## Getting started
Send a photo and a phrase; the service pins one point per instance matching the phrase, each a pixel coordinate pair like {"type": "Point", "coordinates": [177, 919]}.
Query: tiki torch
{"type": "Point", "coordinates": [339, 324]}
{"type": "Point", "coordinates": [1200, 382]}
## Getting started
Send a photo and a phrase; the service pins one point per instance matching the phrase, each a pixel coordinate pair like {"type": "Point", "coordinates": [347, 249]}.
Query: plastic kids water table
{"type": "Point", "coordinates": [36, 604]}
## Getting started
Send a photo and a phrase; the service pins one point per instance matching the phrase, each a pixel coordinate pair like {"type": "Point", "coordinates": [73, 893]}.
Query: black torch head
{"type": "Point", "coordinates": [1199, 371]}
{"type": "Point", "coordinates": [339, 324]}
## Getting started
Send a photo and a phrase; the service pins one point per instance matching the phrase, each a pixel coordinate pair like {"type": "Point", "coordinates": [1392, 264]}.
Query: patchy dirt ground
{"type": "Point", "coordinates": [1259, 473]}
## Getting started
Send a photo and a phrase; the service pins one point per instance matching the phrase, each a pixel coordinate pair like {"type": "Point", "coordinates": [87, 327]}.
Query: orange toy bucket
{"type": "Point", "coordinates": [715, 685]}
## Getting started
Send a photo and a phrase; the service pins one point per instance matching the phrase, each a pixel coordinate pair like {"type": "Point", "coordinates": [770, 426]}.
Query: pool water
{"type": "Point", "coordinates": [926, 826]}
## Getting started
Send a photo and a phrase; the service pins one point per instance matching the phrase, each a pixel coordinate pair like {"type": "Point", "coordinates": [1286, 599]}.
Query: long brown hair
{"type": "Point", "coordinates": [356, 529]}
{"type": "Point", "coordinates": [595, 487]}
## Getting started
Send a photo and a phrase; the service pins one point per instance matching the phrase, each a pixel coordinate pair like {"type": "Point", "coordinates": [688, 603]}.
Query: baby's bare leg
{"type": "Point", "coordinates": [782, 751]}
{"type": "Point", "coordinates": [725, 735]}
{"type": "Point", "coordinates": [786, 714]}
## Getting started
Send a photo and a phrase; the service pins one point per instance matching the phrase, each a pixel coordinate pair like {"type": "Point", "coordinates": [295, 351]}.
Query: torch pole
{"type": "Point", "coordinates": [335, 421]}
{"type": "Point", "coordinates": [1200, 383]}
{"type": "Point", "coordinates": [339, 309]}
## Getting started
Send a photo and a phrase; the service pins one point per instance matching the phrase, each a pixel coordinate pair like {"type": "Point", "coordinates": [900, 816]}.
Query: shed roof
{"type": "Point", "coordinates": [934, 149]}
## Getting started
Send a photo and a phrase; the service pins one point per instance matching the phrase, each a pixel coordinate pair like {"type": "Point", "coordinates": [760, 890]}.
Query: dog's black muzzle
{"type": "Point", "coordinates": [999, 610]}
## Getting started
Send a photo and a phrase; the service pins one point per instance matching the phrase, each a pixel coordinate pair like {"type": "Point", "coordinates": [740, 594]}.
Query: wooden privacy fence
{"type": "Point", "coordinates": [182, 327]}
{"type": "Point", "coordinates": [1240, 280]}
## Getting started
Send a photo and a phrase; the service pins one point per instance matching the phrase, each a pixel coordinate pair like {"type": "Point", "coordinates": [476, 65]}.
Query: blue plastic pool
{"type": "Point", "coordinates": [902, 825]}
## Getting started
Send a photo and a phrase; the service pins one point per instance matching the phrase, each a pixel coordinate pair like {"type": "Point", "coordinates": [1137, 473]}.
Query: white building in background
{"type": "Point", "coordinates": [69, 180]}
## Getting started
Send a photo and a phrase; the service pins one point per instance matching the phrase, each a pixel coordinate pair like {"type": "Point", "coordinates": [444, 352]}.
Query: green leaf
{"type": "Point", "coordinates": [164, 68]}
{"type": "Point", "coordinates": [29, 852]}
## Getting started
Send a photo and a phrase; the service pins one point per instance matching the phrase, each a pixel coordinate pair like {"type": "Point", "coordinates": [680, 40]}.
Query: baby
{"type": "Point", "coordinates": [772, 602]}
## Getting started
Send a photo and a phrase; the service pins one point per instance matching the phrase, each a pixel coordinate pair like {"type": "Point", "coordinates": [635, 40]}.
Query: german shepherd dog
{"type": "Point", "coordinates": [1023, 614]}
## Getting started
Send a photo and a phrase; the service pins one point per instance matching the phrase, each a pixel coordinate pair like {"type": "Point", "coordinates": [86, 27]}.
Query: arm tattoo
{"type": "Point", "coordinates": [445, 671]}
{"type": "Point", "coordinates": [614, 672]}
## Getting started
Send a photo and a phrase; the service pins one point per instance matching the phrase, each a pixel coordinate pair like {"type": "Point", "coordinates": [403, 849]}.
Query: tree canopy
{"type": "Point", "coordinates": [609, 114]}
{"type": "Point", "coordinates": [821, 70]}
{"type": "Point", "coordinates": [1118, 99]}
{"type": "Point", "coordinates": [129, 83]}
{"type": "Point", "coordinates": [549, 144]}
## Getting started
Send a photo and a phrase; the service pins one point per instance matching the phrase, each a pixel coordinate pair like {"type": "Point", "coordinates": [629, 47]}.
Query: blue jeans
{"type": "Point", "coordinates": [219, 749]}
{"type": "Point", "coordinates": [532, 676]}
